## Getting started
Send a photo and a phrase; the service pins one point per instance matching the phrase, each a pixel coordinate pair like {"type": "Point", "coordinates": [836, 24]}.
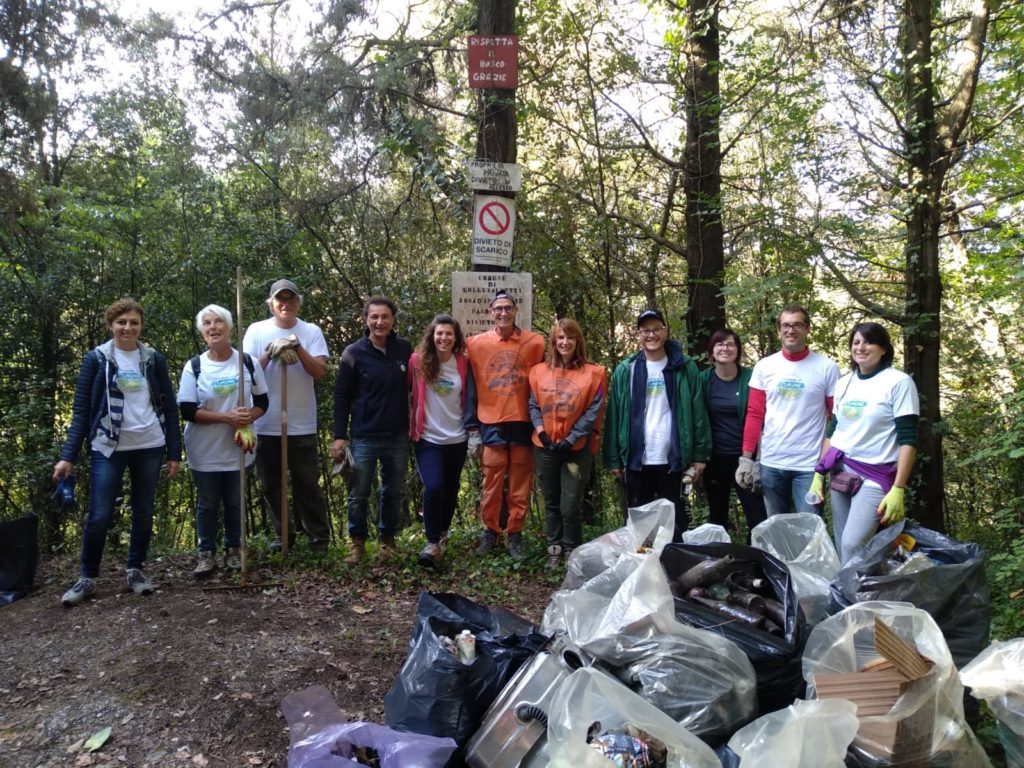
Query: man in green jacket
{"type": "Point", "coordinates": [656, 433]}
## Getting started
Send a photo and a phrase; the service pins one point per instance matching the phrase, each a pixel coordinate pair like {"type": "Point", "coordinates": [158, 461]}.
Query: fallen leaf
{"type": "Point", "coordinates": [200, 760]}
{"type": "Point", "coordinates": [127, 719]}
{"type": "Point", "coordinates": [360, 609]}
{"type": "Point", "coordinates": [97, 740]}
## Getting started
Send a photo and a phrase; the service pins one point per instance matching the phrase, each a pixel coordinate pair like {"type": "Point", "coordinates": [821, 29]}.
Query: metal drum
{"type": "Point", "coordinates": [514, 730]}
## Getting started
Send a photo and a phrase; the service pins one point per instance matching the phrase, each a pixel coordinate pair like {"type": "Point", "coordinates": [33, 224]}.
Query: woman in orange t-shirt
{"type": "Point", "coordinates": [567, 398]}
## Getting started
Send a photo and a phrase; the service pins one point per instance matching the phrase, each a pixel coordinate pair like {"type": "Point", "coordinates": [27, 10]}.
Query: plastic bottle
{"type": "Point", "coordinates": [466, 643]}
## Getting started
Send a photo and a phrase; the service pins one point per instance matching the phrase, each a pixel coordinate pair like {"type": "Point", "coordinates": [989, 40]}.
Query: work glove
{"type": "Point", "coordinates": [288, 357]}
{"type": "Point", "coordinates": [545, 440]}
{"type": "Point", "coordinates": [245, 439]}
{"type": "Point", "coordinates": [891, 509]}
{"type": "Point", "coordinates": [755, 474]}
{"type": "Point", "coordinates": [277, 346]}
{"type": "Point", "coordinates": [745, 473]}
{"type": "Point", "coordinates": [563, 446]}
{"type": "Point", "coordinates": [816, 493]}
{"type": "Point", "coordinates": [475, 446]}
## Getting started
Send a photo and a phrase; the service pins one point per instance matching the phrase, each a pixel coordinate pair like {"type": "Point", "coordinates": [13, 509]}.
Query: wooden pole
{"type": "Point", "coordinates": [243, 545]}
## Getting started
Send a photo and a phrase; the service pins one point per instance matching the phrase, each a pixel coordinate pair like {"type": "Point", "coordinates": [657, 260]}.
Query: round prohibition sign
{"type": "Point", "coordinates": [494, 218]}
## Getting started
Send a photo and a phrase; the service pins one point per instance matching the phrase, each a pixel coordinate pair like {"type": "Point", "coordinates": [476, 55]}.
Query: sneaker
{"type": "Point", "coordinates": [515, 546]}
{"type": "Point", "coordinates": [388, 545]}
{"type": "Point", "coordinates": [80, 590]}
{"type": "Point", "coordinates": [487, 541]}
{"type": "Point", "coordinates": [554, 556]}
{"type": "Point", "coordinates": [356, 551]}
{"type": "Point", "coordinates": [205, 566]}
{"type": "Point", "coordinates": [443, 543]}
{"type": "Point", "coordinates": [430, 555]}
{"type": "Point", "coordinates": [233, 559]}
{"type": "Point", "coordinates": [138, 582]}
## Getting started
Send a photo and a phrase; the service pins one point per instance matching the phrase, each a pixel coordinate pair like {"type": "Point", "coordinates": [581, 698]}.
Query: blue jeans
{"type": "Point", "coordinates": [785, 489]}
{"type": "Point", "coordinates": [216, 489]}
{"type": "Point", "coordinates": [393, 455]}
{"type": "Point", "coordinates": [440, 469]}
{"type": "Point", "coordinates": [106, 476]}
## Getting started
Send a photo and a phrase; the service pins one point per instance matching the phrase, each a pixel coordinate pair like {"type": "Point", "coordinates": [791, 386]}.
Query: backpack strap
{"type": "Point", "coordinates": [246, 357]}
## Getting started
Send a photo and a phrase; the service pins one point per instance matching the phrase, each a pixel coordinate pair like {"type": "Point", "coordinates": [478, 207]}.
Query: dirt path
{"type": "Point", "coordinates": [185, 677]}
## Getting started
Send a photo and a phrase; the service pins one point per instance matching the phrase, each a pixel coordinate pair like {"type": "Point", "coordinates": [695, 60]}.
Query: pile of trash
{"type": "Point", "coordinates": [699, 655]}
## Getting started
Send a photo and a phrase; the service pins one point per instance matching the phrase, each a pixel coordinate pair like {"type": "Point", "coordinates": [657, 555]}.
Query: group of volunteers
{"type": "Point", "coordinates": [519, 404]}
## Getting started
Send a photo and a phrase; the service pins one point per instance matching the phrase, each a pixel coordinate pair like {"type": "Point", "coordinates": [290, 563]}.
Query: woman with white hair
{"type": "Point", "coordinates": [217, 428]}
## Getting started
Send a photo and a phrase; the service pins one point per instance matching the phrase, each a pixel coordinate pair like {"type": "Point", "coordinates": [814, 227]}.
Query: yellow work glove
{"type": "Point", "coordinates": [891, 509]}
{"type": "Point", "coordinates": [245, 438]}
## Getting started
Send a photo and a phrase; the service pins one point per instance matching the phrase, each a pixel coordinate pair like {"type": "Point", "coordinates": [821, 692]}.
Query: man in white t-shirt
{"type": "Point", "coordinates": [788, 408]}
{"type": "Point", "coordinates": [657, 432]}
{"type": "Point", "coordinates": [286, 343]}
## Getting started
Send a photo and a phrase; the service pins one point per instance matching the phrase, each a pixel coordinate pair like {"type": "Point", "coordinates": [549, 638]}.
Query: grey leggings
{"type": "Point", "coordinates": [855, 518]}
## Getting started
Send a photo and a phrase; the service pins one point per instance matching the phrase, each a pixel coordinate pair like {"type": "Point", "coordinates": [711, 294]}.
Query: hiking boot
{"type": "Point", "coordinates": [138, 583]}
{"type": "Point", "coordinates": [515, 546]}
{"type": "Point", "coordinates": [356, 551]}
{"type": "Point", "coordinates": [487, 541]}
{"type": "Point", "coordinates": [233, 559]}
{"type": "Point", "coordinates": [554, 555]}
{"type": "Point", "coordinates": [388, 546]}
{"type": "Point", "coordinates": [443, 543]}
{"type": "Point", "coordinates": [205, 566]}
{"type": "Point", "coordinates": [80, 590]}
{"type": "Point", "coordinates": [430, 555]}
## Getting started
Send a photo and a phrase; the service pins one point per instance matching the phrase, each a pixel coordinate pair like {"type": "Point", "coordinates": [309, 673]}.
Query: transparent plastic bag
{"type": "Point", "coordinates": [930, 711]}
{"type": "Point", "coordinates": [624, 617]}
{"type": "Point", "coordinates": [320, 737]}
{"type": "Point", "coordinates": [709, 533]}
{"type": "Point", "coordinates": [648, 529]}
{"type": "Point", "coordinates": [997, 676]}
{"type": "Point", "coordinates": [807, 734]}
{"type": "Point", "coordinates": [801, 541]}
{"type": "Point", "coordinates": [590, 696]}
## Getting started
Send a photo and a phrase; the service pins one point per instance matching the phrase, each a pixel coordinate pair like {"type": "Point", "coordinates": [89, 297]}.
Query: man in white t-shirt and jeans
{"type": "Point", "coordinates": [789, 405]}
{"type": "Point", "coordinates": [286, 342]}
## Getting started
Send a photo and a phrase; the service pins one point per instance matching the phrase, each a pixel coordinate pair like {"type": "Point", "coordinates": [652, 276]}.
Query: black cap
{"type": "Point", "coordinates": [650, 314]}
{"type": "Point", "coordinates": [501, 293]}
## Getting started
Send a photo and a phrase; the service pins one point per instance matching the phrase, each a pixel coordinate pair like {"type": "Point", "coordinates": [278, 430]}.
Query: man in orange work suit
{"type": "Point", "coordinates": [501, 360]}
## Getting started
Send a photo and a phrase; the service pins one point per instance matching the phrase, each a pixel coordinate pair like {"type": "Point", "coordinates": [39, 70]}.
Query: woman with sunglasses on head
{"type": "Point", "coordinates": [726, 385]}
{"type": "Point", "coordinates": [873, 436]}
{"type": "Point", "coordinates": [567, 399]}
{"type": "Point", "coordinates": [440, 380]}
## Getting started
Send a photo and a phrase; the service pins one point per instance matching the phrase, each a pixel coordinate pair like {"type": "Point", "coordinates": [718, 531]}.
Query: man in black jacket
{"type": "Point", "coordinates": [371, 418]}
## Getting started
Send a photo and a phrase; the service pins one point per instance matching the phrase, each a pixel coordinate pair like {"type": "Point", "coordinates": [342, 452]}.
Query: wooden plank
{"type": "Point", "coordinates": [904, 656]}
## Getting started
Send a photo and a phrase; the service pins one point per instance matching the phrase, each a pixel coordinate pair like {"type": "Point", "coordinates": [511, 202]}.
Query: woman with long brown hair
{"type": "Point", "coordinates": [567, 398]}
{"type": "Point", "coordinates": [440, 379]}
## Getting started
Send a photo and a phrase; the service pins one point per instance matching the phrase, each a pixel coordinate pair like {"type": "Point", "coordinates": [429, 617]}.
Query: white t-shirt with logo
{"type": "Point", "coordinates": [211, 447]}
{"type": "Point", "coordinates": [866, 411]}
{"type": "Point", "coordinates": [657, 417]}
{"type": "Point", "coordinates": [442, 416]}
{"type": "Point", "coordinates": [795, 409]}
{"type": "Point", "coordinates": [140, 426]}
{"type": "Point", "coordinates": [301, 392]}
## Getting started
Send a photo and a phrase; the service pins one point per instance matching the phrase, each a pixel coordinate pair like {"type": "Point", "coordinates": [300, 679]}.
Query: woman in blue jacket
{"type": "Point", "coordinates": [726, 384]}
{"type": "Point", "coordinates": [125, 408]}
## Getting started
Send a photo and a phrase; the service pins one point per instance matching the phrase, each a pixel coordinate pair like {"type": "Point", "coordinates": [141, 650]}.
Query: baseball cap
{"type": "Point", "coordinates": [284, 285]}
{"type": "Point", "coordinates": [501, 293]}
{"type": "Point", "coordinates": [650, 314]}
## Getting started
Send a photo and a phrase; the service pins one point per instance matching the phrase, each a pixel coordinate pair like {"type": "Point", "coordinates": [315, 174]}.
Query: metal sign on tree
{"type": "Point", "coordinates": [493, 61]}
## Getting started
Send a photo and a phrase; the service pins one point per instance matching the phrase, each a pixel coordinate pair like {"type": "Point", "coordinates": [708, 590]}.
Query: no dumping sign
{"type": "Point", "coordinates": [494, 228]}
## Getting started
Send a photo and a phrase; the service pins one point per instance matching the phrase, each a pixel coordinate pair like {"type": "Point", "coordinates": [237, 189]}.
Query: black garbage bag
{"type": "Point", "coordinates": [435, 693]}
{"type": "Point", "coordinates": [776, 660]}
{"type": "Point", "coordinates": [954, 592]}
{"type": "Point", "coordinates": [19, 556]}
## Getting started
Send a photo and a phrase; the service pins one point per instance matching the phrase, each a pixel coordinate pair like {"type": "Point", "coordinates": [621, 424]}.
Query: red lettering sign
{"type": "Point", "coordinates": [493, 61]}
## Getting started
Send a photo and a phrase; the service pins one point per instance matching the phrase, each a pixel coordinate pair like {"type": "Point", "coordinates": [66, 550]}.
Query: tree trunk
{"type": "Point", "coordinates": [702, 179]}
{"type": "Point", "coordinates": [927, 166]}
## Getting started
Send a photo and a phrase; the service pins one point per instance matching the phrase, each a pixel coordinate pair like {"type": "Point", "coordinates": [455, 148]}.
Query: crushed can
{"type": "Point", "coordinates": [514, 729]}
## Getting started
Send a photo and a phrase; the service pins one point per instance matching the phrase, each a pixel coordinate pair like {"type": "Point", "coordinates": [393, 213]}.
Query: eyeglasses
{"type": "Point", "coordinates": [649, 331]}
{"type": "Point", "coordinates": [725, 345]}
{"type": "Point", "coordinates": [503, 309]}
{"type": "Point", "coordinates": [283, 297]}
{"type": "Point", "coordinates": [792, 326]}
